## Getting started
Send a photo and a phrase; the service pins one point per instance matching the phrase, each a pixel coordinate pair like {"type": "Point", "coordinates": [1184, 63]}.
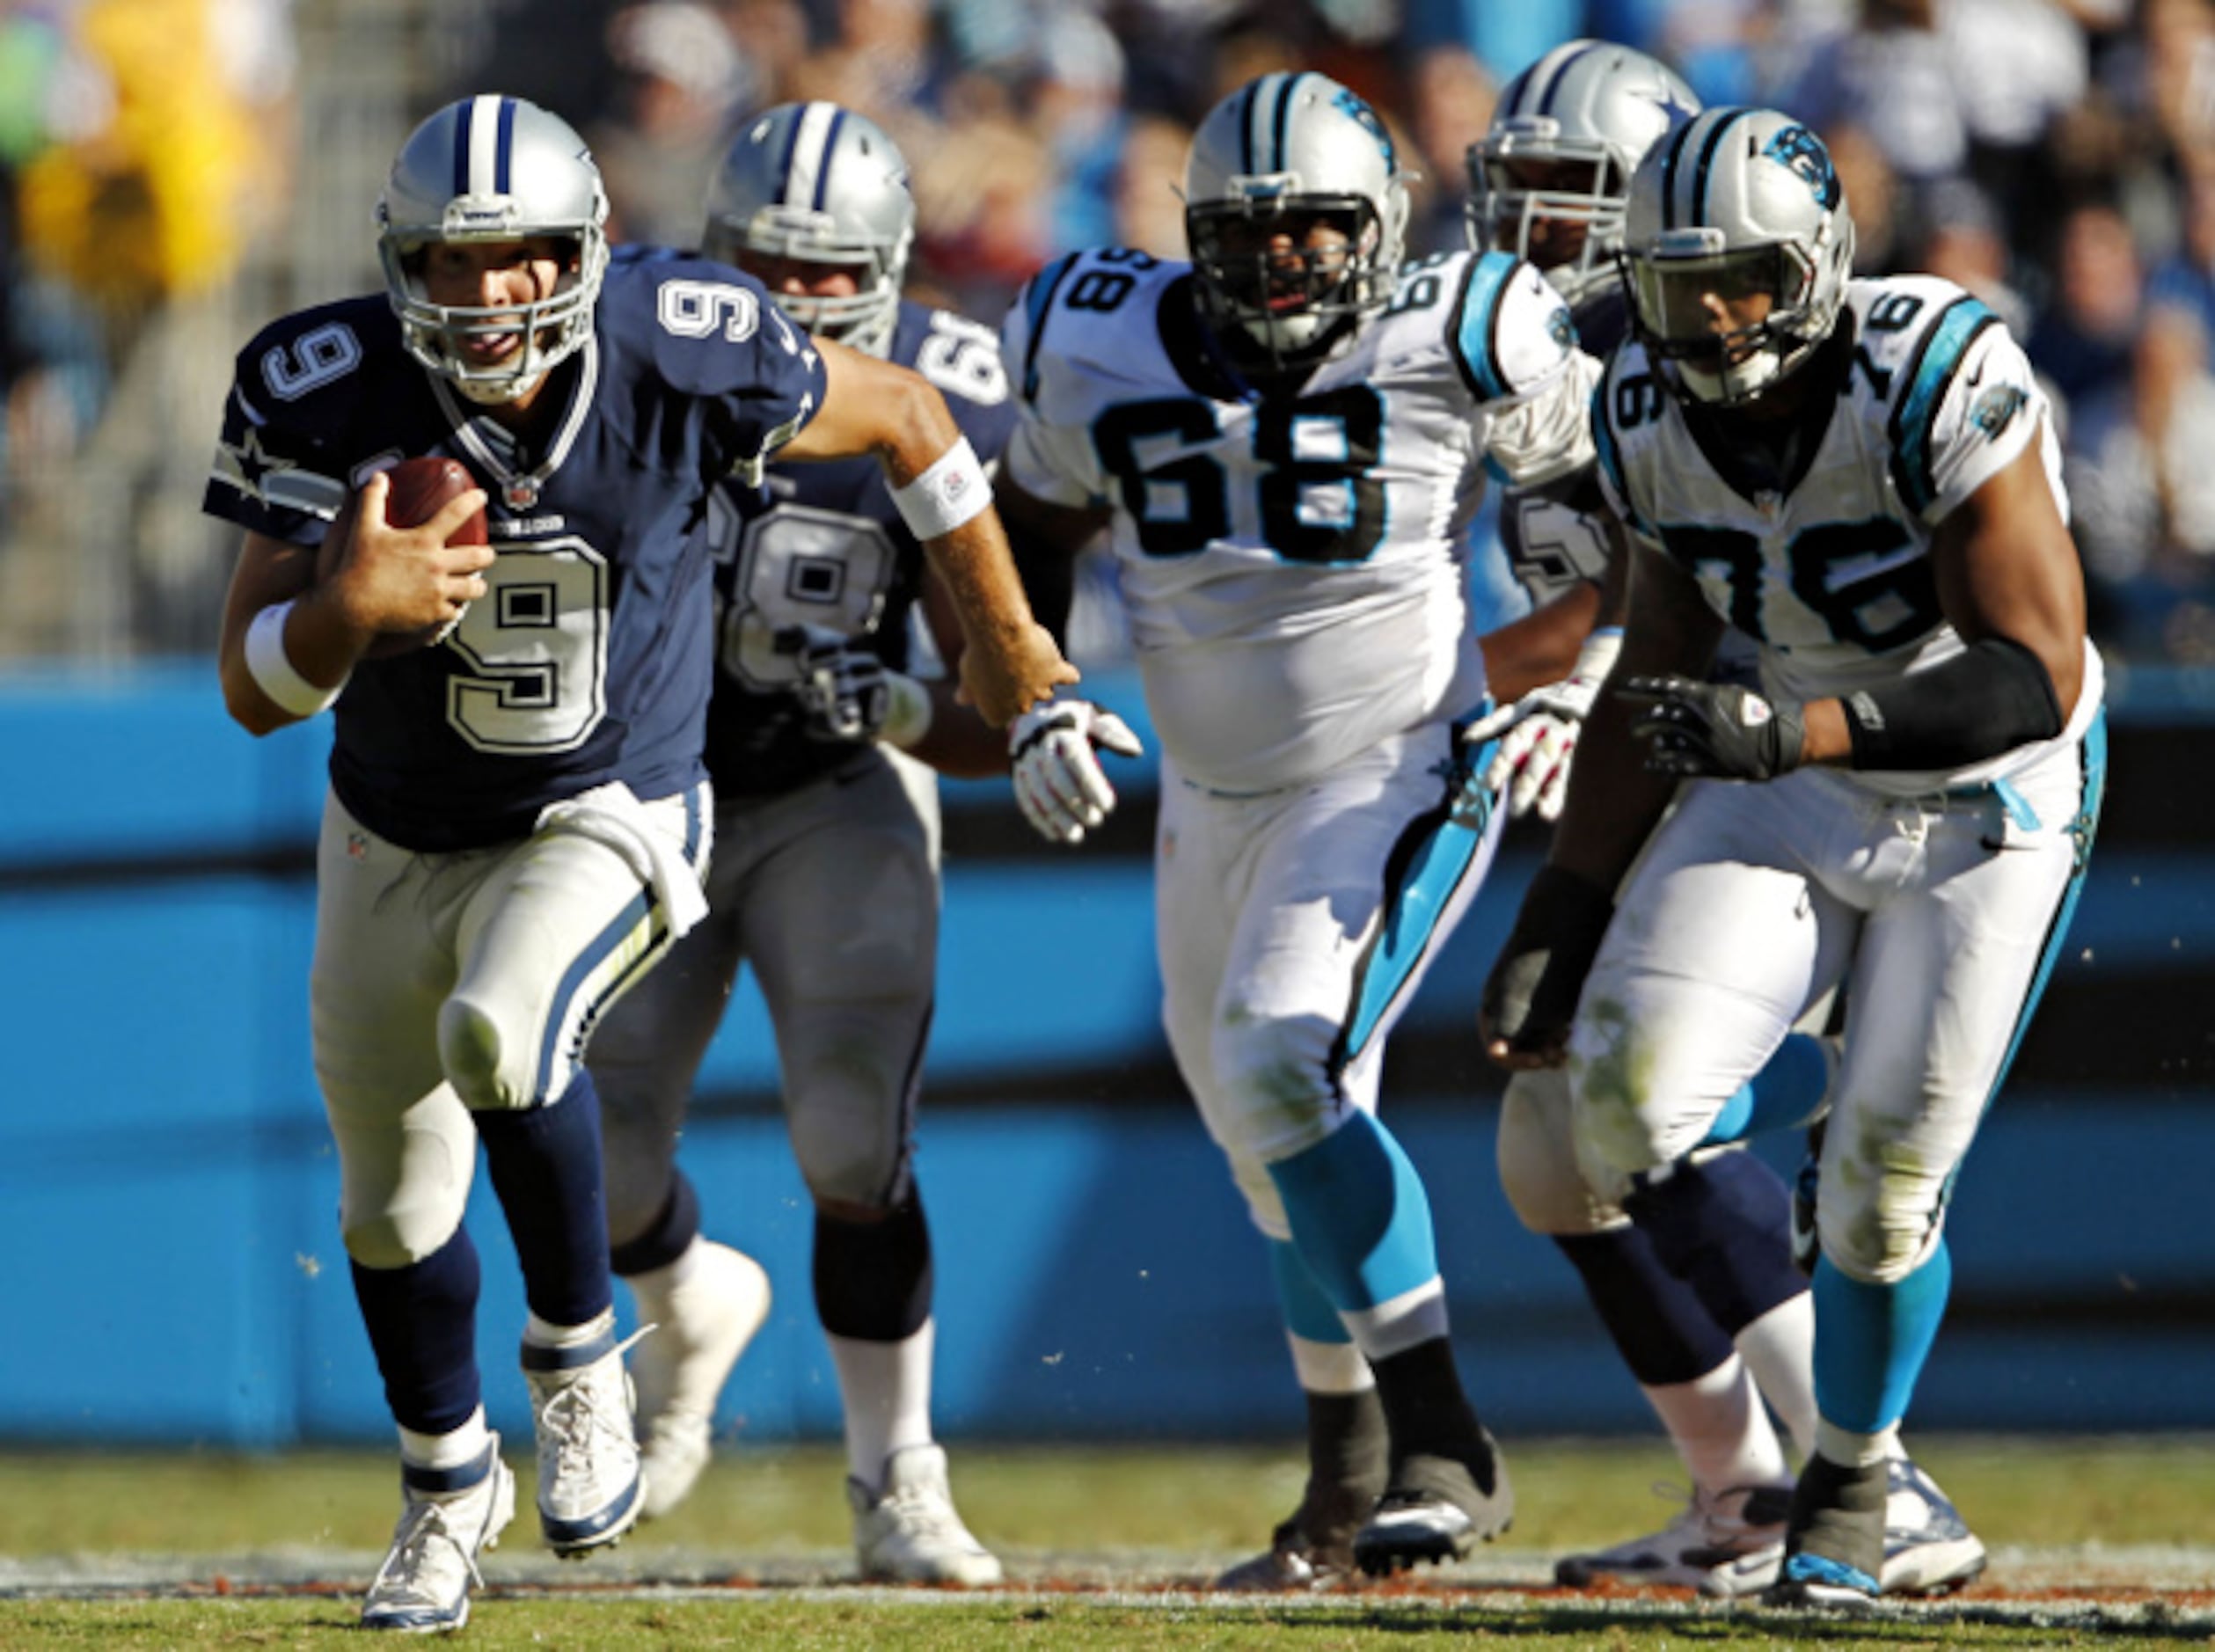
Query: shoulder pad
{"type": "Point", "coordinates": [1509, 330]}
{"type": "Point", "coordinates": [1916, 333]}
{"type": "Point", "coordinates": [1102, 281]}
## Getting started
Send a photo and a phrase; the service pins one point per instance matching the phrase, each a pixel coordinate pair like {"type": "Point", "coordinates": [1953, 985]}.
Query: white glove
{"type": "Point", "coordinates": [1538, 734]}
{"type": "Point", "coordinates": [849, 694]}
{"type": "Point", "coordinates": [1059, 783]}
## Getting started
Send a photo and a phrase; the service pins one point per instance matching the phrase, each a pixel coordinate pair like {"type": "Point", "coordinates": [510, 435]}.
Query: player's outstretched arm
{"type": "Point", "coordinates": [1010, 661]}
{"type": "Point", "coordinates": [298, 619]}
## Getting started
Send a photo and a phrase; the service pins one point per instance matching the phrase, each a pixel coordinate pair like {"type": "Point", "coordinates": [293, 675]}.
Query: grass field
{"type": "Point", "coordinates": [2094, 1542]}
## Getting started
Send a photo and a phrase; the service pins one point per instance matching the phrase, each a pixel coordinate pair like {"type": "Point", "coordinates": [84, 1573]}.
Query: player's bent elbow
{"type": "Point", "coordinates": [249, 707]}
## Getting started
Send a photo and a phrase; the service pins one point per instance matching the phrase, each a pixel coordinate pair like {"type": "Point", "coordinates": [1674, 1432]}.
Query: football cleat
{"type": "Point", "coordinates": [908, 1531]}
{"type": "Point", "coordinates": [1834, 1544]}
{"type": "Point", "coordinates": [1313, 1549]}
{"type": "Point", "coordinates": [590, 1490]}
{"type": "Point", "coordinates": [1725, 1543]}
{"type": "Point", "coordinates": [1436, 1509]}
{"type": "Point", "coordinates": [701, 1327]}
{"type": "Point", "coordinates": [448, 1519]}
{"type": "Point", "coordinates": [1929, 1547]}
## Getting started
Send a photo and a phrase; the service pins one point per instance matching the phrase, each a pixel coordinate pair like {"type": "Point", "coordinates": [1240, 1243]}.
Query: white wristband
{"type": "Point", "coordinates": [273, 668]}
{"type": "Point", "coordinates": [946, 495]}
{"type": "Point", "coordinates": [909, 717]}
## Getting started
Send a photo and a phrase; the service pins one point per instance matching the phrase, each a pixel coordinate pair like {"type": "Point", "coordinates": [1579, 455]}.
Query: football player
{"type": "Point", "coordinates": [519, 816]}
{"type": "Point", "coordinates": [1862, 476]}
{"type": "Point", "coordinates": [825, 875]}
{"type": "Point", "coordinates": [1692, 1277]}
{"type": "Point", "coordinates": [1288, 438]}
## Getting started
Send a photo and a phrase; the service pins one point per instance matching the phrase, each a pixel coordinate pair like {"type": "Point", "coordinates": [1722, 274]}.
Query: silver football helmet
{"type": "Point", "coordinates": [1293, 151]}
{"type": "Point", "coordinates": [818, 182]}
{"type": "Point", "coordinates": [493, 169]}
{"type": "Point", "coordinates": [1590, 109]}
{"type": "Point", "coordinates": [1736, 203]}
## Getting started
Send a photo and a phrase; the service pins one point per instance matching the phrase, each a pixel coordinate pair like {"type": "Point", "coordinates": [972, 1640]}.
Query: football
{"type": "Point", "coordinates": [420, 488]}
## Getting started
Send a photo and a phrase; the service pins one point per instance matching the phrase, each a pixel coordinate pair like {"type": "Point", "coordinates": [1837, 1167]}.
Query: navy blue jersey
{"type": "Point", "coordinates": [826, 546]}
{"type": "Point", "coordinates": [590, 658]}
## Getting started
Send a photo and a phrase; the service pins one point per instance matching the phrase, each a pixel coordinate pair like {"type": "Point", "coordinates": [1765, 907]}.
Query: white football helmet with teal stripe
{"type": "Point", "coordinates": [1587, 110]}
{"type": "Point", "coordinates": [818, 183]}
{"type": "Point", "coordinates": [1736, 202]}
{"type": "Point", "coordinates": [493, 169]}
{"type": "Point", "coordinates": [1293, 151]}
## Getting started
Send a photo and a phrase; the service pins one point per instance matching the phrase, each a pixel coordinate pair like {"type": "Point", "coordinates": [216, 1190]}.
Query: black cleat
{"type": "Point", "coordinates": [1834, 1542]}
{"type": "Point", "coordinates": [1437, 1509]}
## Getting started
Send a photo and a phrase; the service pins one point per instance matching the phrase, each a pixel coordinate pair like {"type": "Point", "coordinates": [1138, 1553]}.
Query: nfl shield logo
{"type": "Point", "coordinates": [520, 492]}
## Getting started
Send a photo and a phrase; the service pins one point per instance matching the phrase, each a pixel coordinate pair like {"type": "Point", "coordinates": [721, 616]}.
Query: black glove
{"type": "Point", "coordinates": [1530, 997]}
{"type": "Point", "coordinates": [1714, 728]}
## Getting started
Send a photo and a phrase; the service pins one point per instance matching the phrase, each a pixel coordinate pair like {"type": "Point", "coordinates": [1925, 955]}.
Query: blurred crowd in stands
{"type": "Point", "coordinates": [2056, 156]}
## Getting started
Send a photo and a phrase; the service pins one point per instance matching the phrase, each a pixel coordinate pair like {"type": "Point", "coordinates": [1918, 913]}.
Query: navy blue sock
{"type": "Point", "coordinates": [1724, 1227]}
{"type": "Point", "coordinates": [874, 1279]}
{"type": "Point", "coordinates": [668, 1237]}
{"type": "Point", "coordinates": [545, 1168]}
{"type": "Point", "coordinates": [423, 1325]}
{"type": "Point", "coordinates": [1662, 1329]}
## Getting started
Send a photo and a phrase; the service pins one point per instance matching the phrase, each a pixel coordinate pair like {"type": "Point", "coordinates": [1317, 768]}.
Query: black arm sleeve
{"type": "Point", "coordinates": [1994, 697]}
{"type": "Point", "coordinates": [1049, 574]}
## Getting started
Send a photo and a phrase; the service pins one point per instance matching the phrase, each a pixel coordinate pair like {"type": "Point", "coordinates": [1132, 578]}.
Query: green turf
{"type": "Point", "coordinates": [1174, 1510]}
{"type": "Point", "coordinates": [771, 1625]}
{"type": "Point", "coordinates": [1206, 1500]}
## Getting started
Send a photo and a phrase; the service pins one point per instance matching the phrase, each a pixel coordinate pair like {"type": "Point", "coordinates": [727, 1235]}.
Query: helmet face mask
{"type": "Point", "coordinates": [1286, 272]}
{"type": "Point", "coordinates": [816, 184]}
{"type": "Point", "coordinates": [1567, 134]}
{"type": "Point", "coordinates": [493, 171]}
{"type": "Point", "coordinates": [1296, 215]}
{"type": "Point", "coordinates": [1737, 251]}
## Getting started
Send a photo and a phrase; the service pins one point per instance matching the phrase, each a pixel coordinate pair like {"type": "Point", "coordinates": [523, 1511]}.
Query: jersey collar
{"type": "Point", "coordinates": [492, 450]}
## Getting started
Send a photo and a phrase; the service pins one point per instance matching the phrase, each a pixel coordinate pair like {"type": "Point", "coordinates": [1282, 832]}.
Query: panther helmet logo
{"type": "Point", "coordinates": [1799, 150]}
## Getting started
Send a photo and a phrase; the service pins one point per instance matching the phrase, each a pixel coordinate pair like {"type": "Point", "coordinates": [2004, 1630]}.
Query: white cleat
{"type": "Point", "coordinates": [908, 1532]}
{"type": "Point", "coordinates": [699, 1333]}
{"type": "Point", "coordinates": [590, 1489]}
{"type": "Point", "coordinates": [1929, 1547]}
{"type": "Point", "coordinates": [1725, 1544]}
{"type": "Point", "coordinates": [423, 1586]}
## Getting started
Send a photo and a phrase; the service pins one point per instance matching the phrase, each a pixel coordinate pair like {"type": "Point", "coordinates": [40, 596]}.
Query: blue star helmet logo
{"type": "Point", "coordinates": [1801, 151]}
{"type": "Point", "coordinates": [1356, 110]}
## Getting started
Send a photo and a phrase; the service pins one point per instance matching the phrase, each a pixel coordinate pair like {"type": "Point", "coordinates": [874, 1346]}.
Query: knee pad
{"type": "Point", "coordinates": [849, 1120]}
{"type": "Point", "coordinates": [1875, 1235]}
{"type": "Point", "coordinates": [1538, 1163]}
{"type": "Point", "coordinates": [476, 1055]}
{"type": "Point", "coordinates": [389, 1239]}
{"type": "Point", "coordinates": [1277, 1095]}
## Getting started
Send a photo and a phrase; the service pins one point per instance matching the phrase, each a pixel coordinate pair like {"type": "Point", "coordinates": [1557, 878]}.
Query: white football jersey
{"type": "Point", "coordinates": [1293, 565]}
{"type": "Point", "coordinates": [1831, 574]}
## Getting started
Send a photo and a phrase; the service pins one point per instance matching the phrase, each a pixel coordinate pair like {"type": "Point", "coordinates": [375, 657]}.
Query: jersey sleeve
{"type": "Point", "coordinates": [1607, 452]}
{"type": "Point", "coordinates": [276, 472]}
{"type": "Point", "coordinates": [1971, 408]}
{"type": "Point", "coordinates": [1514, 341]}
{"type": "Point", "coordinates": [717, 335]}
{"type": "Point", "coordinates": [1049, 458]}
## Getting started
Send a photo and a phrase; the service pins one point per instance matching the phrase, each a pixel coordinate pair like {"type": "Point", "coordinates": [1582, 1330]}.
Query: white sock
{"type": "Point", "coordinates": [1408, 1320]}
{"type": "Point", "coordinates": [1717, 1424]}
{"type": "Point", "coordinates": [465, 1445]}
{"type": "Point", "coordinates": [1330, 1368]}
{"type": "Point", "coordinates": [1779, 1349]}
{"type": "Point", "coordinates": [543, 1333]}
{"type": "Point", "coordinates": [1845, 1445]}
{"type": "Point", "coordinates": [653, 1288]}
{"type": "Point", "coordinates": [885, 1391]}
